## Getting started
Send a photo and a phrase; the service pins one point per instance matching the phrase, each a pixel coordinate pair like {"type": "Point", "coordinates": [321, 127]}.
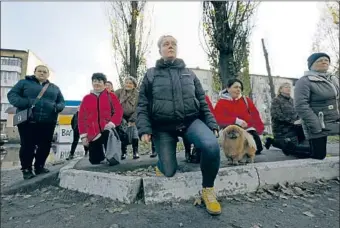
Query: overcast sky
{"type": "Point", "coordinates": [74, 38]}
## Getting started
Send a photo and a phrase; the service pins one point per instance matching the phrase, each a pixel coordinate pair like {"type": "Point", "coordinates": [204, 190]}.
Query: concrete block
{"type": "Point", "coordinates": [120, 188]}
{"type": "Point", "coordinates": [185, 186]}
{"type": "Point", "coordinates": [302, 170]}
{"type": "Point", "coordinates": [69, 166]}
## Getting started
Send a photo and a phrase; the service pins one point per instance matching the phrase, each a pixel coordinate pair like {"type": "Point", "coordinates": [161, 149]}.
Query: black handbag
{"type": "Point", "coordinates": [25, 115]}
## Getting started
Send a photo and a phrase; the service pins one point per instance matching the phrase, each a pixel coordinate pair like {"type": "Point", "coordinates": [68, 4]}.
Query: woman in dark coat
{"type": "Point", "coordinates": [286, 124]}
{"type": "Point", "coordinates": [317, 104]}
{"type": "Point", "coordinates": [39, 129]}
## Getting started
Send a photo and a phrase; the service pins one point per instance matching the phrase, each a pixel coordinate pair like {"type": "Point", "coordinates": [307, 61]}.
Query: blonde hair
{"type": "Point", "coordinates": [160, 40]}
{"type": "Point", "coordinates": [281, 86]}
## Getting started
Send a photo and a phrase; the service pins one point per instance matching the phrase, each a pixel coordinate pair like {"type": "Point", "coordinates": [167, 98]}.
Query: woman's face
{"type": "Point", "coordinates": [321, 65]}
{"type": "Point", "coordinates": [41, 73]}
{"type": "Point", "coordinates": [129, 85]}
{"type": "Point", "coordinates": [286, 89]}
{"type": "Point", "coordinates": [235, 90]}
{"type": "Point", "coordinates": [98, 85]}
{"type": "Point", "coordinates": [168, 49]}
{"type": "Point", "coordinates": [108, 86]}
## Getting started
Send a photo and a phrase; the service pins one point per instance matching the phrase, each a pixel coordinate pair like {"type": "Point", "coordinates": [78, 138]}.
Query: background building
{"type": "Point", "coordinates": [15, 65]}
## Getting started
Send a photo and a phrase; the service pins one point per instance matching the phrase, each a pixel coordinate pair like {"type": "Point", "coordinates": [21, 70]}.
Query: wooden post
{"type": "Point", "coordinates": [271, 83]}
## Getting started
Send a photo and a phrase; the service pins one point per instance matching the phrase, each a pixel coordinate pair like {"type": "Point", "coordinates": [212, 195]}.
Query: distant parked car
{"type": "Point", "coordinates": [3, 139]}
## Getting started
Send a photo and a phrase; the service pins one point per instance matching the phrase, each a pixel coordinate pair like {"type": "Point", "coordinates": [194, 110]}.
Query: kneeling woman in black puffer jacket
{"type": "Point", "coordinates": [39, 129]}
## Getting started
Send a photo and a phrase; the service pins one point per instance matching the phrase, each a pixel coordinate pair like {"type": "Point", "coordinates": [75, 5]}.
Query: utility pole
{"type": "Point", "coordinates": [271, 83]}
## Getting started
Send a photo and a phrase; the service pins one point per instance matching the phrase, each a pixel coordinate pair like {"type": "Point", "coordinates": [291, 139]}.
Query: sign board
{"type": "Point", "coordinates": [64, 134]}
{"type": "Point", "coordinates": [62, 151]}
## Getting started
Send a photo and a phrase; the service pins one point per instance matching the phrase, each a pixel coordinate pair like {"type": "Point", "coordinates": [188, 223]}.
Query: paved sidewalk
{"type": "Point", "coordinates": [316, 207]}
{"type": "Point", "coordinates": [145, 161]}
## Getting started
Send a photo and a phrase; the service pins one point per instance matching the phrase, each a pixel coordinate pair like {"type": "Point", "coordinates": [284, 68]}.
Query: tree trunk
{"type": "Point", "coordinates": [226, 68]}
{"type": "Point", "coordinates": [271, 83]}
{"type": "Point", "coordinates": [132, 39]}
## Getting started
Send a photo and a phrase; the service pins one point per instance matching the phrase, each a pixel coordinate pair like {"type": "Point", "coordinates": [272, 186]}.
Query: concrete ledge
{"type": "Point", "coordinates": [185, 186]}
{"type": "Point", "coordinates": [304, 170]}
{"type": "Point", "coordinates": [241, 179]}
{"type": "Point", "coordinates": [121, 188]}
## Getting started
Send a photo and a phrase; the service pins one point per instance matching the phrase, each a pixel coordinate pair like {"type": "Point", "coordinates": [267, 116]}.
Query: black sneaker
{"type": "Point", "coordinates": [136, 156]}
{"type": "Point", "coordinates": [268, 143]}
{"type": "Point", "coordinates": [41, 171]}
{"type": "Point", "coordinates": [70, 157]}
{"type": "Point", "coordinates": [153, 155]}
{"type": "Point", "coordinates": [27, 174]}
{"type": "Point", "coordinates": [123, 157]}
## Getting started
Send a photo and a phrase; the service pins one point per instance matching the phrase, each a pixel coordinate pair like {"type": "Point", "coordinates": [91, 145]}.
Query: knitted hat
{"type": "Point", "coordinates": [311, 59]}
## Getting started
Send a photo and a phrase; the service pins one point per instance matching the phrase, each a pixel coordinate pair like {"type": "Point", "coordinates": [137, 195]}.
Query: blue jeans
{"type": "Point", "coordinates": [202, 137]}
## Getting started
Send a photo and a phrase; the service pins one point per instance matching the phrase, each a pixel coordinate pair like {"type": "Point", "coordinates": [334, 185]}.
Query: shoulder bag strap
{"type": "Point", "coordinates": [43, 90]}
{"type": "Point", "coordinates": [111, 104]}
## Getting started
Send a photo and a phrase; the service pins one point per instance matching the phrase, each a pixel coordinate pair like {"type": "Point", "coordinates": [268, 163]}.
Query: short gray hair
{"type": "Point", "coordinates": [160, 40]}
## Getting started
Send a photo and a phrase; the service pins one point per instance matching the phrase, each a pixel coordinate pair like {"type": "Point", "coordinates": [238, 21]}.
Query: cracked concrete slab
{"type": "Point", "coordinates": [123, 189]}
{"type": "Point", "coordinates": [241, 179]}
{"type": "Point", "coordinates": [185, 186]}
{"type": "Point", "coordinates": [308, 170]}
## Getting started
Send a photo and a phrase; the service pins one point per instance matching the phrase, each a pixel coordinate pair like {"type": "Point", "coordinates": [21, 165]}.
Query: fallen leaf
{"type": "Point", "coordinates": [180, 224]}
{"type": "Point", "coordinates": [197, 201]}
{"type": "Point", "coordinates": [309, 214]}
{"type": "Point", "coordinates": [114, 226]}
{"type": "Point", "coordinates": [31, 206]}
{"type": "Point", "coordinates": [28, 221]}
{"type": "Point", "coordinates": [125, 213]}
{"type": "Point", "coordinates": [86, 204]}
{"type": "Point", "coordinates": [284, 205]}
{"type": "Point", "coordinates": [27, 196]}
{"type": "Point", "coordinates": [283, 197]}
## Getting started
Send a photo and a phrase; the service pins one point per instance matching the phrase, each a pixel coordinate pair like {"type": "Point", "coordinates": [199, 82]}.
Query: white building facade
{"type": "Point", "coordinates": [10, 75]}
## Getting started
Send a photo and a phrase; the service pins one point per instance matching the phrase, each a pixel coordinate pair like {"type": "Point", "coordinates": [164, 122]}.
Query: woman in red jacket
{"type": "Point", "coordinates": [234, 108]}
{"type": "Point", "coordinates": [99, 111]}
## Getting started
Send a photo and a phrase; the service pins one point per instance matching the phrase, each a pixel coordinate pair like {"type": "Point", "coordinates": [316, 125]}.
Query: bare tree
{"type": "Point", "coordinates": [326, 37]}
{"type": "Point", "coordinates": [226, 29]}
{"type": "Point", "coordinates": [130, 37]}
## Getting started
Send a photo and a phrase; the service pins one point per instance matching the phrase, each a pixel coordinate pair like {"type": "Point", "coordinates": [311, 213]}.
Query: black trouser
{"type": "Point", "coordinates": [257, 141]}
{"type": "Point", "coordinates": [96, 148]}
{"type": "Point", "coordinates": [75, 142]}
{"type": "Point", "coordinates": [35, 137]}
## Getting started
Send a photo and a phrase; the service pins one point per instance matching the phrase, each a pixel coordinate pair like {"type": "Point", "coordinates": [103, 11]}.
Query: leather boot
{"type": "Point", "coordinates": [297, 150]}
{"type": "Point", "coordinates": [135, 148]}
{"type": "Point", "coordinates": [124, 151]}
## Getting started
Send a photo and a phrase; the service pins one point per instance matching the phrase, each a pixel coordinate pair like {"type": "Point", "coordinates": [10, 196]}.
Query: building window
{"type": "Point", "coordinates": [10, 61]}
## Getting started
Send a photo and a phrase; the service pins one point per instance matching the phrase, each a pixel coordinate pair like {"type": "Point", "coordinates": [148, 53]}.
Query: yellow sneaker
{"type": "Point", "coordinates": [209, 199]}
{"type": "Point", "coordinates": [158, 172]}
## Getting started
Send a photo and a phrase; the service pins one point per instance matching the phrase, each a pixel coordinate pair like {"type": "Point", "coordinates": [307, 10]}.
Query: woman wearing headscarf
{"type": "Point", "coordinates": [128, 97]}
{"type": "Point", "coordinates": [317, 104]}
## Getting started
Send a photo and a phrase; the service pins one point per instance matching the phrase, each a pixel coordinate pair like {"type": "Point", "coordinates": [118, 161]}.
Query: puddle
{"type": "Point", "coordinates": [10, 157]}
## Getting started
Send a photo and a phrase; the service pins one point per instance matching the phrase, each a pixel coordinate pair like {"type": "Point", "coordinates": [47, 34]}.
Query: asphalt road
{"type": "Point", "coordinates": [316, 205]}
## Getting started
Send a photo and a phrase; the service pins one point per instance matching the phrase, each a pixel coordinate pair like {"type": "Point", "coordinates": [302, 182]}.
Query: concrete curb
{"type": "Point", "coordinates": [124, 189]}
{"type": "Point", "coordinates": [186, 186]}
{"type": "Point", "coordinates": [37, 182]}
{"type": "Point", "coordinates": [241, 179]}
